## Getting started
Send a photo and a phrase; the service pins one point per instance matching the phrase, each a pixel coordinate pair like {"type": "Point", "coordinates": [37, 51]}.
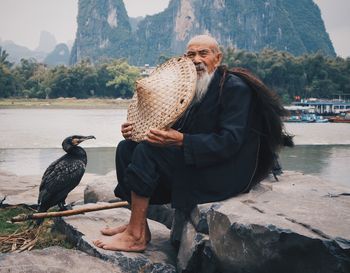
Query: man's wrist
{"type": "Point", "coordinates": [181, 139]}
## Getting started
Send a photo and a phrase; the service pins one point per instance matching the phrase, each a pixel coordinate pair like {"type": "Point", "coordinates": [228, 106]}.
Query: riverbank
{"type": "Point", "coordinates": [64, 103]}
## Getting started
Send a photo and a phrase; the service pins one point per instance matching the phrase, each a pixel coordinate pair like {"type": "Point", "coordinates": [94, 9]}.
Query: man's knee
{"type": "Point", "coordinates": [143, 147]}
{"type": "Point", "coordinates": [125, 145]}
{"type": "Point", "coordinates": [125, 149]}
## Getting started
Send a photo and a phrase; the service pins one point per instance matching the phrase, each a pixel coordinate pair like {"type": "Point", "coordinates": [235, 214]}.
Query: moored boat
{"type": "Point", "coordinates": [343, 118]}
{"type": "Point", "coordinates": [321, 119]}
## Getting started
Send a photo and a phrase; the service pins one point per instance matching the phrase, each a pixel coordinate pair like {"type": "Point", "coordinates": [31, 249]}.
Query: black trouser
{"type": "Point", "coordinates": [145, 169]}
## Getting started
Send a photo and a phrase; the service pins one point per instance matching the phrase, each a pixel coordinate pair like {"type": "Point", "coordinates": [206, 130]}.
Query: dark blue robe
{"type": "Point", "coordinates": [218, 159]}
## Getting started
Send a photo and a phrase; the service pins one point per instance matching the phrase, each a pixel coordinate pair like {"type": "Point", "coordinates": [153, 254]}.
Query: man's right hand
{"type": "Point", "coordinates": [126, 129]}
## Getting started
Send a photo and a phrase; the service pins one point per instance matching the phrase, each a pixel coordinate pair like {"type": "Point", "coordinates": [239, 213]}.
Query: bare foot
{"type": "Point", "coordinates": [109, 231]}
{"type": "Point", "coordinates": [124, 241]}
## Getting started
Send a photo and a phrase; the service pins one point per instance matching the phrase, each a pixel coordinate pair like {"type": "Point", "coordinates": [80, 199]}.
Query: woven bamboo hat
{"type": "Point", "coordinates": [163, 97]}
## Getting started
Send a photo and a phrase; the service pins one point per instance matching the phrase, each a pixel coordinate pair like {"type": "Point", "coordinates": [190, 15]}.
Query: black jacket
{"type": "Point", "coordinates": [221, 144]}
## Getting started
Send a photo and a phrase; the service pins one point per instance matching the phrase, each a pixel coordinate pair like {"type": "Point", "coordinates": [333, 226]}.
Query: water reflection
{"type": "Point", "coordinates": [35, 161]}
{"type": "Point", "coordinates": [100, 160]}
{"type": "Point", "coordinates": [331, 162]}
{"type": "Point", "coordinates": [308, 159]}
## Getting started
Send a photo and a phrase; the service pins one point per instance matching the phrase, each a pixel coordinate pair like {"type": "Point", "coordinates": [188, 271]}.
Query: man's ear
{"type": "Point", "coordinates": [218, 59]}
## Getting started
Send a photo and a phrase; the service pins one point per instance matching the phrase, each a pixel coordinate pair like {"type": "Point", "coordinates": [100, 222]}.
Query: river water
{"type": "Point", "coordinates": [30, 139]}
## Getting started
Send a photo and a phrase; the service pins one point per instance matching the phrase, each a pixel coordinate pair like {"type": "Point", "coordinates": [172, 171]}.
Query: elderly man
{"type": "Point", "coordinates": [209, 155]}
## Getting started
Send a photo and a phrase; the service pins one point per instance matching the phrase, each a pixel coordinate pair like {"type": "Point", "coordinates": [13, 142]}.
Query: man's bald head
{"type": "Point", "coordinates": [205, 53]}
{"type": "Point", "coordinates": [205, 40]}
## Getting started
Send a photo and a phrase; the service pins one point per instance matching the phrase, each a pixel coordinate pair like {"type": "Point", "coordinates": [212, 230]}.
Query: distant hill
{"type": "Point", "coordinates": [47, 42]}
{"type": "Point", "coordinates": [59, 56]}
{"type": "Point", "coordinates": [105, 30]}
{"type": "Point", "coordinates": [17, 52]}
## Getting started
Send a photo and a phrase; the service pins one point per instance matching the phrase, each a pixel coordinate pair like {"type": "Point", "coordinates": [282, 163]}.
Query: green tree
{"type": "Point", "coordinates": [41, 80]}
{"type": "Point", "coordinates": [3, 58]}
{"type": "Point", "coordinates": [7, 83]}
{"type": "Point", "coordinates": [124, 77]}
{"type": "Point", "coordinates": [23, 74]}
{"type": "Point", "coordinates": [103, 77]}
{"type": "Point", "coordinates": [83, 80]}
{"type": "Point", "coordinates": [7, 80]}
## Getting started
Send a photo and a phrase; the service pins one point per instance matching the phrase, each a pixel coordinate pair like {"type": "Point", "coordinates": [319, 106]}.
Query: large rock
{"type": "Point", "coordinates": [195, 253]}
{"type": "Point", "coordinates": [300, 225]}
{"type": "Point", "coordinates": [54, 260]}
{"type": "Point", "coordinates": [161, 213]}
{"type": "Point", "coordinates": [199, 215]}
{"type": "Point", "coordinates": [101, 189]}
{"type": "Point", "coordinates": [81, 230]}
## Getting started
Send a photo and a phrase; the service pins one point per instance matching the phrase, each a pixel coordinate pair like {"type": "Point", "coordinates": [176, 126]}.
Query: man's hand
{"type": "Point", "coordinates": [126, 129]}
{"type": "Point", "coordinates": [165, 137]}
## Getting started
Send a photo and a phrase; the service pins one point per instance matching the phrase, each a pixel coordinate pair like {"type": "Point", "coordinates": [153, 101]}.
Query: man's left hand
{"type": "Point", "coordinates": [165, 137]}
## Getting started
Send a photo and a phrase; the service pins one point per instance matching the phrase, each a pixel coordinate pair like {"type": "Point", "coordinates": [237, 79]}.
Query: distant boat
{"type": "Point", "coordinates": [303, 114]}
{"type": "Point", "coordinates": [308, 117]}
{"type": "Point", "coordinates": [321, 119]}
{"type": "Point", "coordinates": [298, 113]}
{"type": "Point", "coordinates": [293, 118]}
{"type": "Point", "coordinates": [343, 118]}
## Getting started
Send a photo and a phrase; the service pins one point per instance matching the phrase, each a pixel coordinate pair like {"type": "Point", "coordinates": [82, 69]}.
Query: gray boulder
{"type": "Point", "coordinates": [81, 230]}
{"type": "Point", "coordinates": [195, 253]}
{"type": "Point", "coordinates": [101, 189]}
{"type": "Point", "coordinates": [297, 226]}
{"type": "Point", "coordinates": [199, 215]}
{"type": "Point", "coordinates": [54, 260]}
{"type": "Point", "coordinates": [161, 213]}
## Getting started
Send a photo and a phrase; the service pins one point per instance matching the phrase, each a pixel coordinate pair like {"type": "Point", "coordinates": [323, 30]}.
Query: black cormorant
{"type": "Point", "coordinates": [63, 175]}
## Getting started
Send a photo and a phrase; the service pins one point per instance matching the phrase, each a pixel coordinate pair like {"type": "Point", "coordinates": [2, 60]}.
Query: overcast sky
{"type": "Point", "coordinates": [22, 20]}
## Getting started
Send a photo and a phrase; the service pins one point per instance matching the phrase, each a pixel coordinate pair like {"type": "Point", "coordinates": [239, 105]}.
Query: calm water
{"type": "Point", "coordinates": [30, 140]}
{"type": "Point", "coordinates": [331, 162]}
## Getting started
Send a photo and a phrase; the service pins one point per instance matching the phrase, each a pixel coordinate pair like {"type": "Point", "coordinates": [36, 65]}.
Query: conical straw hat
{"type": "Point", "coordinates": [163, 97]}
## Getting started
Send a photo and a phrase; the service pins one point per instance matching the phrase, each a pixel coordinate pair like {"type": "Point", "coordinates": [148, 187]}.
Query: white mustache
{"type": "Point", "coordinates": [201, 66]}
{"type": "Point", "coordinates": [203, 82]}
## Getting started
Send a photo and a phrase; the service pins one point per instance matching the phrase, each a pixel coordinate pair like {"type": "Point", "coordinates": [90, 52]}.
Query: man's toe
{"type": "Point", "coordinates": [97, 243]}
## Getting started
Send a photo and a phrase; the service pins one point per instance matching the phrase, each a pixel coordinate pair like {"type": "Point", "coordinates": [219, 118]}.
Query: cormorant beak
{"type": "Point", "coordinates": [90, 137]}
{"type": "Point", "coordinates": [80, 140]}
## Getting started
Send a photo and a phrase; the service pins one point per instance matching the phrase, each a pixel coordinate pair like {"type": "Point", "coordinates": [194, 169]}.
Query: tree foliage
{"type": "Point", "coordinates": [30, 79]}
{"type": "Point", "coordinates": [309, 75]}
{"type": "Point", "coordinates": [124, 77]}
{"type": "Point", "coordinates": [312, 75]}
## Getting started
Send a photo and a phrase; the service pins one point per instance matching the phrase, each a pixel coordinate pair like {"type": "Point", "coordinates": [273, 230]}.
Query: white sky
{"type": "Point", "coordinates": [22, 20]}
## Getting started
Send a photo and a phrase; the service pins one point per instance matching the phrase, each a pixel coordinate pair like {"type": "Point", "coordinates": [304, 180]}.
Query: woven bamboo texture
{"type": "Point", "coordinates": [163, 97]}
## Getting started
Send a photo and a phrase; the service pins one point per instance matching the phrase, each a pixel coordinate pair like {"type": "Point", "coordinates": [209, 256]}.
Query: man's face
{"type": "Point", "coordinates": [204, 57]}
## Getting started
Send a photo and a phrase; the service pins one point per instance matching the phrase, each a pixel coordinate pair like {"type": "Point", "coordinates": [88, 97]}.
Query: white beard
{"type": "Point", "coordinates": [202, 86]}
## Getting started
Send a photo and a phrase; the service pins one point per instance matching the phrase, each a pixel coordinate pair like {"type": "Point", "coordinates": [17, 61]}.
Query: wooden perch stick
{"type": "Point", "coordinates": [25, 217]}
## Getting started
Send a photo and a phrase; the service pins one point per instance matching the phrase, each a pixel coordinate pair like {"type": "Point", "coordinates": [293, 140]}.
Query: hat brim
{"type": "Point", "coordinates": [163, 97]}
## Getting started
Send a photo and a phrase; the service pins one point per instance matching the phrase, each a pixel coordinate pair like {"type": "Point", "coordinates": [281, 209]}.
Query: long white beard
{"type": "Point", "coordinates": [202, 85]}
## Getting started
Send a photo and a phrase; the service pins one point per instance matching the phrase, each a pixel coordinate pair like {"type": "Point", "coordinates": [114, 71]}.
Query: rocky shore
{"type": "Point", "coordinates": [299, 224]}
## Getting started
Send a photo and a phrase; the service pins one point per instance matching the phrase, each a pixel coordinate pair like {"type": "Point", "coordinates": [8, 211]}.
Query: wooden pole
{"type": "Point", "coordinates": [25, 217]}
